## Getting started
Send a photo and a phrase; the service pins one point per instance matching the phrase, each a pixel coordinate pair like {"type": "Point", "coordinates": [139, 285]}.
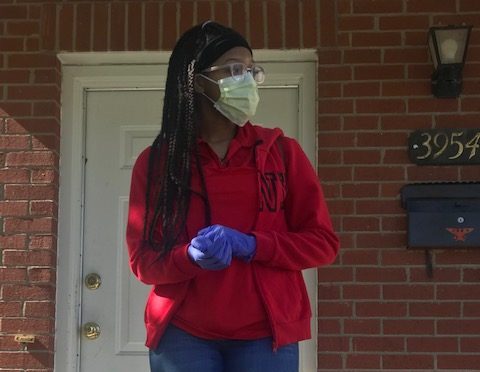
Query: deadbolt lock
{"type": "Point", "coordinates": [93, 281]}
{"type": "Point", "coordinates": [91, 330]}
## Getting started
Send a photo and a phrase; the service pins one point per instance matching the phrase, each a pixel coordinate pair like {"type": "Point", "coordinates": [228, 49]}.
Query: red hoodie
{"type": "Point", "coordinates": [292, 229]}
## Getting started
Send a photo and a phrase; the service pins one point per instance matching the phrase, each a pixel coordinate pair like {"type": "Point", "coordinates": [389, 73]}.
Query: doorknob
{"type": "Point", "coordinates": [91, 330]}
{"type": "Point", "coordinates": [93, 281]}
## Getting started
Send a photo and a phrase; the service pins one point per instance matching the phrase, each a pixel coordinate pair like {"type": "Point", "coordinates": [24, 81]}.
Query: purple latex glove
{"type": "Point", "coordinates": [208, 254]}
{"type": "Point", "coordinates": [243, 246]}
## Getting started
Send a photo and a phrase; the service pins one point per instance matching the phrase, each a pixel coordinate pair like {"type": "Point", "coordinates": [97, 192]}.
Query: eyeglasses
{"type": "Point", "coordinates": [239, 70]}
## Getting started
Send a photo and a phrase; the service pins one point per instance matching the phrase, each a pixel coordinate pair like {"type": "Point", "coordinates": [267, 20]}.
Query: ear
{"type": "Point", "coordinates": [198, 84]}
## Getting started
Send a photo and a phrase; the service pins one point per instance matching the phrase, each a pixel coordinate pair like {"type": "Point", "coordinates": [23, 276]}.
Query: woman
{"type": "Point", "coordinates": [223, 217]}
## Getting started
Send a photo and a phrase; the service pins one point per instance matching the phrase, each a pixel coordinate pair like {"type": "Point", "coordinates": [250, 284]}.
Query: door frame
{"type": "Point", "coordinates": [75, 84]}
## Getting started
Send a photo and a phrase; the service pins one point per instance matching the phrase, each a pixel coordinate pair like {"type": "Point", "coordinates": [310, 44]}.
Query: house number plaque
{"type": "Point", "coordinates": [444, 147]}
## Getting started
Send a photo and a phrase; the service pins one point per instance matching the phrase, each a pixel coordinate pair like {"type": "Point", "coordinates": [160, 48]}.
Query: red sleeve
{"type": "Point", "coordinates": [145, 262]}
{"type": "Point", "coordinates": [310, 241]}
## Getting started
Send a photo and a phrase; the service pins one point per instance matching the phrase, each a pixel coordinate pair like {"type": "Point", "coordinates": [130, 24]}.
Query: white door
{"type": "Point", "coordinates": [118, 123]}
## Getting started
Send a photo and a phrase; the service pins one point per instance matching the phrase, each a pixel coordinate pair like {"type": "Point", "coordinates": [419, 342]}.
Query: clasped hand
{"type": "Point", "coordinates": [214, 247]}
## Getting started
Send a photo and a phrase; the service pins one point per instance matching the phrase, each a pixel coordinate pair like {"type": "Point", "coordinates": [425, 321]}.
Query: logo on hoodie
{"type": "Point", "coordinates": [273, 188]}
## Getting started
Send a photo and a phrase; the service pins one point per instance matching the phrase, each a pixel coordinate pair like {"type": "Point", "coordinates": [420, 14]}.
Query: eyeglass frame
{"type": "Point", "coordinates": [246, 69]}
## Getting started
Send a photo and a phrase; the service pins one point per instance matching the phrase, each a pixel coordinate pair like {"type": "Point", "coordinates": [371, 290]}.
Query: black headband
{"type": "Point", "coordinates": [219, 40]}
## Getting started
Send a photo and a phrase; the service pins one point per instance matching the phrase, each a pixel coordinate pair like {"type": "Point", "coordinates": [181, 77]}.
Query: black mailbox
{"type": "Point", "coordinates": [443, 215]}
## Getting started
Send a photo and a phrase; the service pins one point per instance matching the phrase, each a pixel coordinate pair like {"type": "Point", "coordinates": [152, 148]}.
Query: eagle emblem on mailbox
{"type": "Point", "coordinates": [459, 234]}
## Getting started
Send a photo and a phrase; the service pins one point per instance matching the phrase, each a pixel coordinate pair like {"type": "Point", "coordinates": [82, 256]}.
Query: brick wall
{"type": "Point", "coordinates": [377, 308]}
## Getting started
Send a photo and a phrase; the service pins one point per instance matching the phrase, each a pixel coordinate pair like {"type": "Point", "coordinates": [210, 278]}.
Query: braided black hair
{"type": "Point", "coordinates": [170, 162]}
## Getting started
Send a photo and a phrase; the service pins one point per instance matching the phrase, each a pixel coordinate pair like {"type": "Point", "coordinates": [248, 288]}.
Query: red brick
{"type": "Point", "coordinates": [10, 309]}
{"type": "Point", "coordinates": [43, 76]}
{"type": "Point", "coordinates": [469, 19]}
{"type": "Point", "coordinates": [292, 25]}
{"type": "Point", "coordinates": [419, 71]}
{"type": "Point", "coordinates": [118, 24]}
{"type": "Point", "coordinates": [406, 88]}
{"type": "Point", "coordinates": [361, 223]}
{"type": "Point", "coordinates": [361, 156]}
{"type": "Point", "coordinates": [403, 258]}
{"type": "Point", "coordinates": [390, 173]}
{"type": "Point", "coordinates": [329, 123]}
{"type": "Point", "coordinates": [469, 6]}
{"type": "Point", "coordinates": [32, 158]}
{"type": "Point", "coordinates": [470, 104]}
{"type": "Point", "coordinates": [382, 240]}
{"type": "Point", "coordinates": [471, 309]}
{"type": "Point", "coordinates": [415, 38]}
{"type": "Point", "coordinates": [12, 275]}
{"type": "Point", "coordinates": [134, 26]}
{"type": "Point", "coordinates": [44, 176]}
{"type": "Point", "coordinates": [38, 309]}
{"type": "Point", "coordinates": [349, 23]}
{"type": "Point", "coordinates": [256, 24]}
{"type": "Point", "coordinates": [376, 39]}
{"type": "Point", "coordinates": [329, 57]}
{"type": "Point", "coordinates": [363, 361]}
{"type": "Point", "coordinates": [12, 325]}
{"type": "Point", "coordinates": [13, 208]}
{"type": "Point", "coordinates": [42, 242]}
{"type": "Point", "coordinates": [46, 109]}
{"type": "Point", "coordinates": [409, 22]}
{"type": "Point", "coordinates": [12, 241]}
{"type": "Point", "coordinates": [362, 56]}
{"type": "Point", "coordinates": [11, 44]}
{"type": "Point", "coordinates": [458, 326]}
{"type": "Point", "coordinates": [431, 173]}
{"type": "Point", "coordinates": [238, 21]}
{"type": "Point", "coordinates": [37, 192]}
{"type": "Point", "coordinates": [30, 60]}
{"type": "Point", "coordinates": [327, 23]}
{"type": "Point", "coordinates": [457, 362]}
{"type": "Point", "coordinates": [41, 276]}
{"type": "Point", "coordinates": [432, 105]}
{"type": "Point", "coordinates": [439, 274]}
{"type": "Point", "coordinates": [363, 257]}
{"type": "Point", "coordinates": [335, 106]}
{"type": "Point", "coordinates": [274, 25]}
{"type": "Point", "coordinates": [379, 72]}
{"type": "Point", "coordinates": [432, 344]}
{"type": "Point", "coordinates": [458, 292]}
{"type": "Point", "coordinates": [395, 157]}
{"type": "Point", "coordinates": [329, 157]}
{"type": "Point", "coordinates": [14, 142]}
{"type": "Point", "coordinates": [29, 225]}
{"type": "Point", "coordinates": [395, 223]}
{"type": "Point", "coordinates": [32, 44]}
{"type": "Point", "coordinates": [19, 292]}
{"type": "Point", "coordinates": [377, 6]}
{"type": "Point", "coordinates": [392, 122]}
{"type": "Point", "coordinates": [329, 73]}
{"type": "Point", "coordinates": [32, 92]}
{"type": "Point", "coordinates": [43, 208]}
{"type": "Point", "coordinates": [361, 122]}
{"type": "Point", "coordinates": [340, 207]}
{"type": "Point", "coordinates": [22, 28]}
{"type": "Point", "coordinates": [471, 275]}
{"type": "Point", "coordinates": [310, 24]}
{"type": "Point", "coordinates": [330, 90]}
{"type": "Point", "coordinates": [408, 326]}
{"type": "Point", "coordinates": [361, 89]}
{"type": "Point", "coordinates": [31, 360]}
{"type": "Point", "coordinates": [65, 20]}
{"type": "Point", "coordinates": [408, 292]}
{"type": "Point", "coordinates": [100, 26]}
{"type": "Point", "coordinates": [406, 55]}
{"type": "Point", "coordinates": [469, 345]}
{"type": "Point", "coordinates": [152, 21]}
{"type": "Point", "coordinates": [344, 6]}
{"type": "Point", "coordinates": [360, 190]}
{"type": "Point", "coordinates": [384, 275]}
{"type": "Point", "coordinates": [425, 362]}
{"type": "Point", "coordinates": [434, 309]}
{"type": "Point", "coordinates": [336, 140]}
{"type": "Point", "coordinates": [84, 27]}
{"type": "Point", "coordinates": [335, 309]}
{"type": "Point", "coordinates": [13, 11]}
{"type": "Point", "coordinates": [330, 360]}
{"type": "Point", "coordinates": [329, 326]}
{"type": "Point", "coordinates": [457, 257]}
{"type": "Point", "coordinates": [382, 344]}
{"type": "Point", "coordinates": [336, 274]}
{"type": "Point", "coordinates": [431, 6]}
{"type": "Point", "coordinates": [332, 343]}
{"type": "Point", "coordinates": [221, 10]}
{"type": "Point", "coordinates": [384, 105]}
{"type": "Point", "coordinates": [48, 25]}
{"type": "Point", "coordinates": [360, 292]}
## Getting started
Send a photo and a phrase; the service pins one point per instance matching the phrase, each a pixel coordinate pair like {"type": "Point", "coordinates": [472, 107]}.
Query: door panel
{"type": "Point", "coordinates": [120, 123]}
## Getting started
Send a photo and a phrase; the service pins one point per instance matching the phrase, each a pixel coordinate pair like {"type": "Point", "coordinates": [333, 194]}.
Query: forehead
{"type": "Point", "coordinates": [236, 54]}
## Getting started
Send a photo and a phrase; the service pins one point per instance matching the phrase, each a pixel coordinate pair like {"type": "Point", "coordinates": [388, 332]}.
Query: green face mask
{"type": "Point", "coordinates": [238, 98]}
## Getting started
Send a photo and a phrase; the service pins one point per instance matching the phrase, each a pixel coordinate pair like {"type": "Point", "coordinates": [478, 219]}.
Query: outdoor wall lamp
{"type": "Point", "coordinates": [448, 49]}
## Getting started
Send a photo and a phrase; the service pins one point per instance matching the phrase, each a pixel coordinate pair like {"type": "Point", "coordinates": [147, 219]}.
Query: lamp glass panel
{"type": "Point", "coordinates": [433, 51]}
{"type": "Point", "coordinates": [451, 44]}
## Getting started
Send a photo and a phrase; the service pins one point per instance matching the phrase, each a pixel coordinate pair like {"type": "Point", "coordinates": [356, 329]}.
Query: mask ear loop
{"type": "Point", "coordinates": [202, 92]}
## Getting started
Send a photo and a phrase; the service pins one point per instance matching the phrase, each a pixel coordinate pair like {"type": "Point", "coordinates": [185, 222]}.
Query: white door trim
{"type": "Point", "coordinates": [72, 149]}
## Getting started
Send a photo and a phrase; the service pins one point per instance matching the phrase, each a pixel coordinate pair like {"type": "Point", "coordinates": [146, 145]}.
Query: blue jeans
{"type": "Point", "coordinates": [179, 351]}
